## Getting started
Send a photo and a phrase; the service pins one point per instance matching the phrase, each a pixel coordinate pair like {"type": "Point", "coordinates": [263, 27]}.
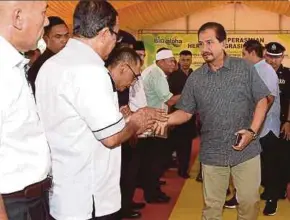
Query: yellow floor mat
{"type": "Point", "coordinates": [190, 203]}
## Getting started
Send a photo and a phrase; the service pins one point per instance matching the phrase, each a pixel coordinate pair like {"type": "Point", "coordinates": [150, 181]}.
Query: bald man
{"type": "Point", "coordinates": [24, 153]}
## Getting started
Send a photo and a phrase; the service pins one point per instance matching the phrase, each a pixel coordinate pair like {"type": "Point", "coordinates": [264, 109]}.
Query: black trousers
{"type": "Point", "coordinates": [156, 155]}
{"type": "Point", "coordinates": [273, 164]}
{"type": "Point", "coordinates": [27, 209]}
{"type": "Point", "coordinates": [131, 157]}
{"type": "Point", "coordinates": [181, 143]}
{"type": "Point", "coordinates": [285, 145]}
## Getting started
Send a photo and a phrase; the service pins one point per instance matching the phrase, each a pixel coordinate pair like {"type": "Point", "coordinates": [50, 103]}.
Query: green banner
{"type": "Point", "coordinates": [179, 42]}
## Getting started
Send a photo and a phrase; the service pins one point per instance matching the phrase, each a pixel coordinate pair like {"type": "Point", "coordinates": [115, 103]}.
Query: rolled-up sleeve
{"type": "Point", "coordinates": [187, 101]}
{"type": "Point", "coordinates": [95, 102]}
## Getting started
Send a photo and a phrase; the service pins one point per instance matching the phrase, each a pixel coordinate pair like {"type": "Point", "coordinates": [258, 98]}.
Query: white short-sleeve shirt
{"type": "Point", "coordinates": [76, 98]}
{"type": "Point", "coordinates": [24, 152]}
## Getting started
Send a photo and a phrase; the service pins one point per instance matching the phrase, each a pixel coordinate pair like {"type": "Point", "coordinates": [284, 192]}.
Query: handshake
{"type": "Point", "coordinates": [147, 119]}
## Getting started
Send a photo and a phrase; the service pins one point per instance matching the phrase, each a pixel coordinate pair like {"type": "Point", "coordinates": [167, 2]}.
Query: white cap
{"type": "Point", "coordinates": [164, 54]}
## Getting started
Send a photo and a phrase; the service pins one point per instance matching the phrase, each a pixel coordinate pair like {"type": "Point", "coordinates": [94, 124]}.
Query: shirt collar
{"type": "Point", "coordinates": [10, 56]}
{"type": "Point", "coordinates": [23, 64]}
{"type": "Point", "coordinates": [190, 71]}
{"type": "Point", "coordinates": [260, 62]}
{"type": "Point", "coordinates": [227, 65]}
{"type": "Point", "coordinates": [181, 71]}
{"type": "Point", "coordinates": [85, 50]}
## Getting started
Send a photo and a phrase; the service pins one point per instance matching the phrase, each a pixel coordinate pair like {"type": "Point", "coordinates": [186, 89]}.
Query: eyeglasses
{"type": "Point", "coordinates": [134, 74]}
{"type": "Point", "coordinates": [118, 37]}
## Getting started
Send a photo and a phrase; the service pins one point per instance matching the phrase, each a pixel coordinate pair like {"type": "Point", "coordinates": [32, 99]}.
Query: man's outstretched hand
{"type": "Point", "coordinates": [146, 119]}
{"type": "Point", "coordinates": [160, 128]}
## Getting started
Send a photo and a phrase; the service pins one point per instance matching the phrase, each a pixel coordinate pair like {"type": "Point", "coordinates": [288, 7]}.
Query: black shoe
{"type": "Point", "coordinates": [162, 198]}
{"type": "Point", "coordinates": [199, 177]}
{"type": "Point", "coordinates": [232, 203]}
{"type": "Point", "coordinates": [138, 205]}
{"type": "Point", "coordinates": [132, 215]}
{"type": "Point", "coordinates": [270, 208]}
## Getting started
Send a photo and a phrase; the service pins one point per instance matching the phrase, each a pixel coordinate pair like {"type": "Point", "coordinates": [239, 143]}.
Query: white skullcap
{"type": "Point", "coordinates": [164, 54]}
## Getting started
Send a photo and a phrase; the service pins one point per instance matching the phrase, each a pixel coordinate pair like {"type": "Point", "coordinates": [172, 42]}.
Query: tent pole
{"type": "Point", "coordinates": [187, 23]}
{"type": "Point", "coordinates": [280, 22]}
{"type": "Point", "coordinates": [235, 14]}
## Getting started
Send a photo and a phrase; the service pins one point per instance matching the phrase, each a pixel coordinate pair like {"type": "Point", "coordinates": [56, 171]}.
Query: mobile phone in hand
{"type": "Point", "coordinates": [238, 139]}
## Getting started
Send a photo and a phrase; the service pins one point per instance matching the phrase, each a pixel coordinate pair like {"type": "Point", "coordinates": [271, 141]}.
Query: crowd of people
{"type": "Point", "coordinates": [84, 123]}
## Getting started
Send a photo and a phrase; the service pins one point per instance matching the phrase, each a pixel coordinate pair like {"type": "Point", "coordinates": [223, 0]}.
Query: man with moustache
{"type": "Point", "coordinates": [232, 100]}
{"type": "Point", "coordinates": [78, 106]}
{"type": "Point", "coordinates": [24, 153]}
{"type": "Point", "coordinates": [56, 35]}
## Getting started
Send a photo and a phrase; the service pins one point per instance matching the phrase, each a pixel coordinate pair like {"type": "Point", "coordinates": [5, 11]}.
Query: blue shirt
{"type": "Point", "coordinates": [269, 76]}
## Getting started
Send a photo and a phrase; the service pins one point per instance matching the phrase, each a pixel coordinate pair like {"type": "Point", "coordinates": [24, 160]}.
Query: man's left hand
{"type": "Point", "coordinates": [246, 139]}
